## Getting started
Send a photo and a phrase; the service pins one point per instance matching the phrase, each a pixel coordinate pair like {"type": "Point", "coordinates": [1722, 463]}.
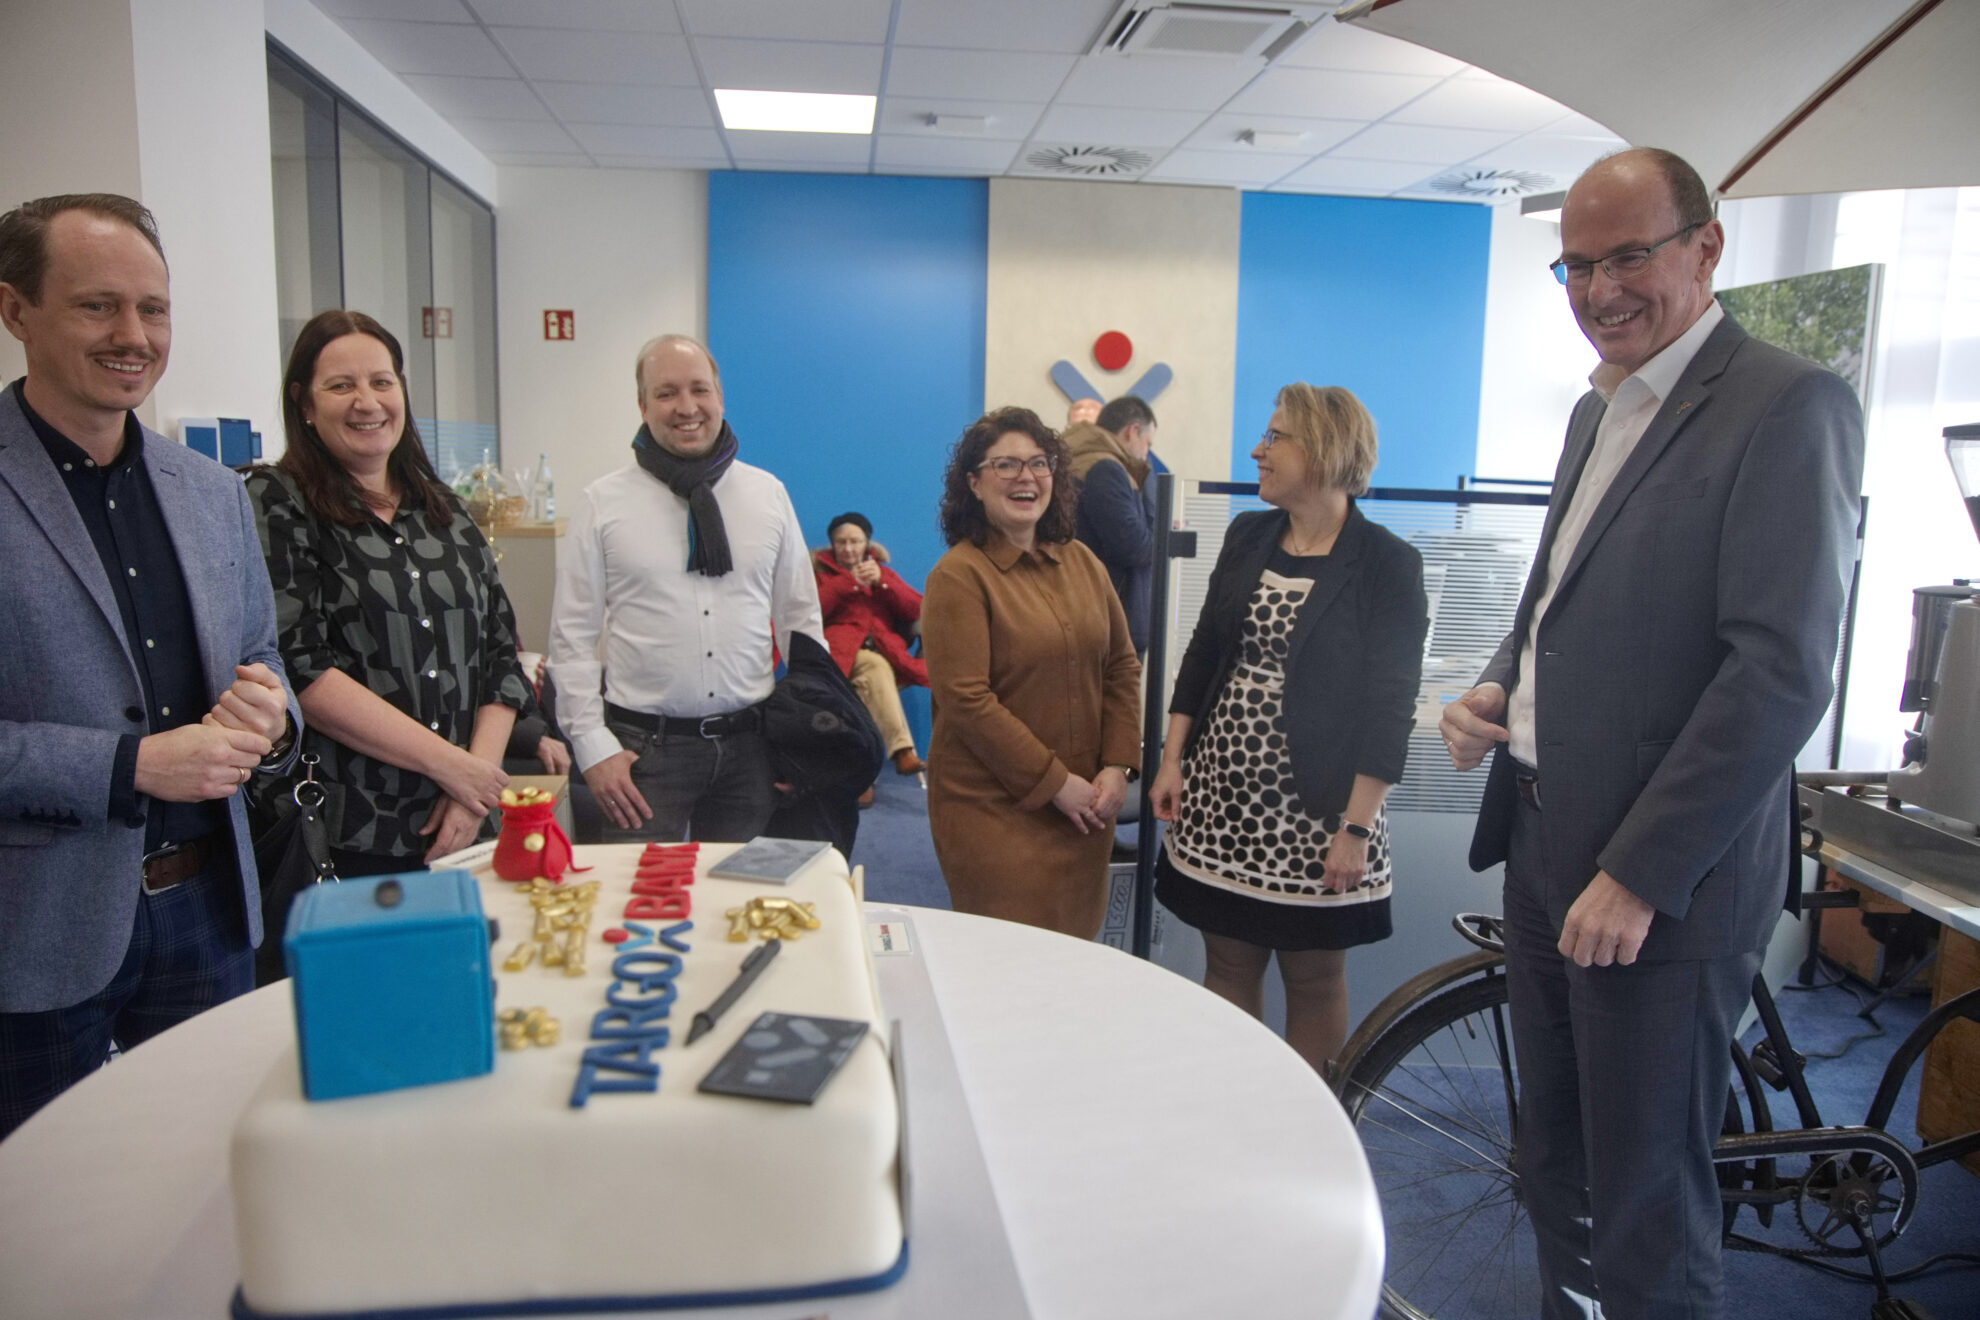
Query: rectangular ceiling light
{"type": "Point", "coordinates": [795, 112]}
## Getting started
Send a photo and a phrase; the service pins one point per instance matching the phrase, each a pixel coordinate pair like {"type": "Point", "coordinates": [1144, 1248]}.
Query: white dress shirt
{"type": "Point", "coordinates": [1633, 403]}
{"type": "Point", "coordinates": [676, 642]}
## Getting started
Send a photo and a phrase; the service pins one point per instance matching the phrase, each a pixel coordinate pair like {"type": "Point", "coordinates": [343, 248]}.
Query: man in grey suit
{"type": "Point", "coordinates": [1670, 656]}
{"type": "Point", "coordinates": [141, 683]}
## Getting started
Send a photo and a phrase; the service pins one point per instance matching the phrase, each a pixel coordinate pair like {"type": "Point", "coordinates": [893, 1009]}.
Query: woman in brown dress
{"type": "Point", "coordinates": [1034, 682]}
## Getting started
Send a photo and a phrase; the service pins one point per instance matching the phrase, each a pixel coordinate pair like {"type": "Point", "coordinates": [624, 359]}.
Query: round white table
{"type": "Point", "coordinates": [1154, 1151]}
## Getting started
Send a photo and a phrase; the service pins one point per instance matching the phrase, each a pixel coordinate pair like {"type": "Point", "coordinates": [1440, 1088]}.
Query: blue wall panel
{"type": "Point", "coordinates": [1386, 298]}
{"type": "Point", "coordinates": [847, 312]}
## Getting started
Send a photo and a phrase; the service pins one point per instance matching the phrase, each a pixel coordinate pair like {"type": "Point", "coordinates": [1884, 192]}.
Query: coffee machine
{"type": "Point", "coordinates": [1920, 822]}
{"type": "Point", "coordinates": [1942, 674]}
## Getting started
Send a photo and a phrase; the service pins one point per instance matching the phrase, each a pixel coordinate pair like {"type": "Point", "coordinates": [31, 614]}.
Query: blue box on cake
{"type": "Point", "coordinates": [392, 983]}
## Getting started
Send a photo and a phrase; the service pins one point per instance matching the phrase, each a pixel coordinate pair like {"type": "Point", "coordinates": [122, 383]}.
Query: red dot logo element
{"type": "Point", "coordinates": [1113, 350]}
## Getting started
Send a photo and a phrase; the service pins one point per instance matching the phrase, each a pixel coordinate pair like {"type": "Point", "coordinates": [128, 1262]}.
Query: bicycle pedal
{"type": "Point", "coordinates": [1768, 1068]}
{"type": "Point", "coordinates": [1896, 1308]}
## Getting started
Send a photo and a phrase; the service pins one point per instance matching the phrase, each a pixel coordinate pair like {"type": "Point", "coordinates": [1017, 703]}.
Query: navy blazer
{"type": "Point", "coordinates": [1688, 652]}
{"type": "Point", "coordinates": [1354, 663]}
{"type": "Point", "coordinates": [69, 875]}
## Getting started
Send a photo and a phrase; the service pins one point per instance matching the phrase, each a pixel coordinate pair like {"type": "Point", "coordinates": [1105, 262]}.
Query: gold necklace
{"type": "Point", "coordinates": [1293, 548]}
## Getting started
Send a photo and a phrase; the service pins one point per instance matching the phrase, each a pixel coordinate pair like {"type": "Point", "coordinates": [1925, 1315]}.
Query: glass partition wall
{"type": "Point", "coordinates": [363, 221]}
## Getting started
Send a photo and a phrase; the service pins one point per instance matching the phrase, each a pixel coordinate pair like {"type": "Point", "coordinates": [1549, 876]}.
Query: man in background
{"type": "Point", "coordinates": [690, 565]}
{"type": "Point", "coordinates": [142, 685]}
{"type": "Point", "coordinates": [1109, 467]}
{"type": "Point", "coordinates": [1671, 654]}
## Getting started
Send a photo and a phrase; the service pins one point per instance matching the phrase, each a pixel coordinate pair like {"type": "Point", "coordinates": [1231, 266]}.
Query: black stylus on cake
{"type": "Point", "coordinates": [752, 967]}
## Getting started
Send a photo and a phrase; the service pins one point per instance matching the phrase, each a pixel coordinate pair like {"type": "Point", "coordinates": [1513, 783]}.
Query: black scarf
{"type": "Point", "coordinates": [693, 479]}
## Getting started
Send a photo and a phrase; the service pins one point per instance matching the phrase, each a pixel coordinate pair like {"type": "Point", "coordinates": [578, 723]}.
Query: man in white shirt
{"type": "Point", "coordinates": [690, 565]}
{"type": "Point", "coordinates": [1671, 654]}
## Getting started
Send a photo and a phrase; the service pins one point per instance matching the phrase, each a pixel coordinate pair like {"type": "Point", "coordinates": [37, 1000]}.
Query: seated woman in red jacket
{"type": "Point", "coordinates": [869, 613]}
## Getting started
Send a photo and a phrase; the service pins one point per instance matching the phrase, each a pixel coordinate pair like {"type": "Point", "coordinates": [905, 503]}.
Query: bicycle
{"type": "Point", "coordinates": [1430, 1082]}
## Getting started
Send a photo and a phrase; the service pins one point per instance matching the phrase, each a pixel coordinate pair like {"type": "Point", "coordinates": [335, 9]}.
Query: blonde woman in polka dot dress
{"type": "Point", "coordinates": [1289, 723]}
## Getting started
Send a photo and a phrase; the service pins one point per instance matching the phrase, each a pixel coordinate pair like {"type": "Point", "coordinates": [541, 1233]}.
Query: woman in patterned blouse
{"type": "Point", "coordinates": [395, 629]}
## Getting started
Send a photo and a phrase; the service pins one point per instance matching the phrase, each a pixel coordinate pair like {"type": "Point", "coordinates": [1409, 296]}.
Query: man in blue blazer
{"type": "Point", "coordinates": [1670, 656]}
{"type": "Point", "coordinates": [139, 681]}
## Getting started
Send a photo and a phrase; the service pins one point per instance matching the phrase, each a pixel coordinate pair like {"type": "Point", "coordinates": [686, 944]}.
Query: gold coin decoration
{"type": "Point", "coordinates": [771, 919]}
{"type": "Point", "coordinates": [520, 1028]}
{"type": "Point", "coordinates": [562, 924]}
{"type": "Point", "coordinates": [527, 797]}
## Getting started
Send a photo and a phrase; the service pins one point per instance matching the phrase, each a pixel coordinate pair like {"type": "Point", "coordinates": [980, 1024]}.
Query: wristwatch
{"type": "Point", "coordinates": [1358, 830]}
{"type": "Point", "coordinates": [1131, 771]}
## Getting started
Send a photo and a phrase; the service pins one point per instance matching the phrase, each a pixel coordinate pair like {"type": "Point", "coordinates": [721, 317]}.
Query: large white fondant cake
{"type": "Point", "coordinates": [496, 1191]}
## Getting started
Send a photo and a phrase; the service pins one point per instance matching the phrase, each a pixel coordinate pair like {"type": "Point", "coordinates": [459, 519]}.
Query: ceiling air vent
{"type": "Point", "coordinates": [1089, 162]}
{"type": "Point", "coordinates": [1482, 185]}
{"type": "Point", "coordinates": [1223, 30]}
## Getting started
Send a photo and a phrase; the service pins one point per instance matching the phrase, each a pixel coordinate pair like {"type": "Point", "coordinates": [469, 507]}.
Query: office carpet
{"type": "Point", "coordinates": [895, 848]}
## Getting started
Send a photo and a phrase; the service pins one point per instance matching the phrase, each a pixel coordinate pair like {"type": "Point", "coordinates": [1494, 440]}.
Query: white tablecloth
{"type": "Point", "coordinates": [1154, 1151]}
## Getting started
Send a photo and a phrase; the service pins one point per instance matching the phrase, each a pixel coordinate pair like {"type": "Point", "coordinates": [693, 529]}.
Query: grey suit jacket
{"type": "Point", "coordinates": [1688, 652]}
{"type": "Point", "coordinates": [69, 873]}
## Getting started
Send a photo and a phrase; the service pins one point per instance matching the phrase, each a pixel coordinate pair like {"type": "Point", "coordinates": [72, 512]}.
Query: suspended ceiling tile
{"type": "Point", "coordinates": [1327, 94]}
{"type": "Point", "coordinates": [551, 159]}
{"type": "Point", "coordinates": [1378, 176]}
{"type": "Point", "coordinates": [1482, 103]}
{"type": "Point", "coordinates": [1157, 82]}
{"type": "Point", "coordinates": [443, 48]}
{"type": "Point", "coordinates": [790, 66]}
{"type": "Point", "coordinates": [1432, 146]}
{"type": "Point", "coordinates": [603, 57]}
{"type": "Point", "coordinates": [1580, 125]}
{"type": "Point", "coordinates": [1123, 128]}
{"type": "Point", "coordinates": [493, 135]}
{"type": "Point", "coordinates": [1560, 158]}
{"type": "Point", "coordinates": [1332, 45]}
{"type": "Point", "coordinates": [603, 140]}
{"type": "Point", "coordinates": [581, 15]}
{"type": "Point", "coordinates": [616, 103]}
{"type": "Point", "coordinates": [410, 11]}
{"type": "Point", "coordinates": [967, 157]}
{"type": "Point", "coordinates": [663, 162]}
{"type": "Point", "coordinates": [1257, 170]}
{"type": "Point", "coordinates": [1068, 27]}
{"type": "Point", "coordinates": [800, 148]}
{"type": "Point", "coordinates": [478, 98]}
{"type": "Point", "coordinates": [959, 73]}
{"type": "Point", "coordinates": [1006, 120]}
{"type": "Point", "coordinates": [812, 20]}
{"type": "Point", "coordinates": [1220, 132]}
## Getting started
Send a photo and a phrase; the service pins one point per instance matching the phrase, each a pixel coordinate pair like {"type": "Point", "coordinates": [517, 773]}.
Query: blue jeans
{"type": "Point", "coordinates": [189, 951]}
{"type": "Point", "coordinates": [715, 790]}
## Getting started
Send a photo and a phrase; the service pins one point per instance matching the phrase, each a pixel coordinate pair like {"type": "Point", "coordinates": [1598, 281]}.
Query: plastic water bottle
{"type": "Point", "coordinates": [543, 492]}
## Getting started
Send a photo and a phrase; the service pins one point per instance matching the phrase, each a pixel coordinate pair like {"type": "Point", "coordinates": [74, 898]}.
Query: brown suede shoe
{"type": "Point", "coordinates": [907, 763]}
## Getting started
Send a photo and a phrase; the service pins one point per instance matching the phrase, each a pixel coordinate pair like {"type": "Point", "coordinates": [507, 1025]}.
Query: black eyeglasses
{"type": "Point", "coordinates": [1617, 265]}
{"type": "Point", "coordinates": [1038, 465]}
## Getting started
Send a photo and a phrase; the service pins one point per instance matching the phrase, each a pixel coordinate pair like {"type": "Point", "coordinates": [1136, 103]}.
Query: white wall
{"type": "Point", "coordinates": [1536, 361]}
{"type": "Point", "coordinates": [69, 103]}
{"type": "Point", "coordinates": [1070, 260]}
{"type": "Point", "coordinates": [627, 250]}
{"type": "Point", "coordinates": [201, 78]}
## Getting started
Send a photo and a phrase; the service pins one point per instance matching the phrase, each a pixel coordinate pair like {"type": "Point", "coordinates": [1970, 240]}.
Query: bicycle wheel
{"type": "Point", "coordinates": [1434, 1101]}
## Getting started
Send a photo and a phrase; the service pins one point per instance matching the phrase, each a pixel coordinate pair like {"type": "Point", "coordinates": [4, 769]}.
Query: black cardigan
{"type": "Point", "coordinates": [1354, 663]}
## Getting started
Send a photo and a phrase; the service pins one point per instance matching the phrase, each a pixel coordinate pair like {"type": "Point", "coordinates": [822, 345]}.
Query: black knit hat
{"type": "Point", "coordinates": [856, 519]}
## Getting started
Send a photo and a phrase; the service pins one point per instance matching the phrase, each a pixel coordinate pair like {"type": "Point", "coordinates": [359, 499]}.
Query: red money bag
{"type": "Point", "coordinates": [531, 844]}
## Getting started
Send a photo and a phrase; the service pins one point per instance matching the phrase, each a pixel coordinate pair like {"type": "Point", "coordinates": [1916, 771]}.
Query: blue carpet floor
{"type": "Point", "coordinates": [894, 845]}
{"type": "Point", "coordinates": [1820, 1021]}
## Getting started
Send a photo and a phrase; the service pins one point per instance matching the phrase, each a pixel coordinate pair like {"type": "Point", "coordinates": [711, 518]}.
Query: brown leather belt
{"type": "Point", "coordinates": [170, 867]}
